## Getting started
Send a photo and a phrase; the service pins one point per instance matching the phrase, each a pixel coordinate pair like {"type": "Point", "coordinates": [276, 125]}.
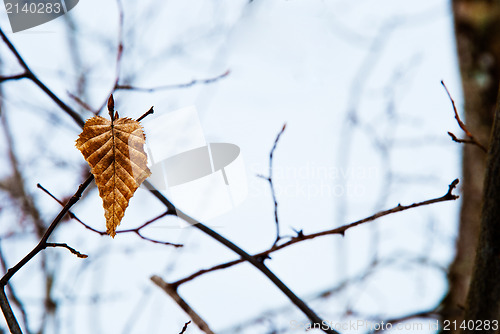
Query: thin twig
{"type": "Point", "coordinates": [339, 230]}
{"type": "Point", "coordinates": [70, 213]}
{"type": "Point", "coordinates": [119, 53]}
{"type": "Point", "coordinates": [423, 314]}
{"type": "Point", "coordinates": [172, 292]}
{"type": "Point", "coordinates": [4, 78]}
{"type": "Point", "coordinates": [139, 234]}
{"type": "Point", "coordinates": [149, 112]}
{"type": "Point", "coordinates": [134, 230]}
{"type": "Point", "coordinates": [269, 179]}
{"type": "Point", "coordinates": [471, 140]}
{"type": "Point", "coordinates": [82, 104]}
{"type": "Point", "coordinates": [71, 249]}
{"type": "Point", "coordinates": [173, 86]}
{"type": "Point", "coordinates": [185, 327]}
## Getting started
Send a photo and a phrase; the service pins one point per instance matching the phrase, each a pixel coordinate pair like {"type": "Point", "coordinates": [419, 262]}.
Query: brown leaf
{"type": "Point", "coordinates": [114, 150]}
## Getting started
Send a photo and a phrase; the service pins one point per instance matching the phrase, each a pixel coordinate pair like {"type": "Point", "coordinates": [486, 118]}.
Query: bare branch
{"type": "Point", "coordinates": [8, 313]}
{"type": "Point", "coordinates": [119, 54]}
{"type": "Point", "coordinates": [138, 231]}
{"type": "Point", "coordinates": [423, 314]}
{"type": "Point", "coordinates": [13, 77]}
{"type": "Point", "coordinates": [172, 292]}
{"type": "Point", "coordinates": [13, 295]}
{"type": "Point", "coordinates": [173, 86]}
{"type": "Point", "coordinates": [134, 230]}
{"type": "Point", "coordinates": [149, 112]}
{"type": "Point", "coordinates": [471, 140]}
{"type": "Point", "coordinates": [339, 230]}
{"type": "Point", "coordinates": [71, 249]}
{"type": "Point", "coordinates": [269, 179]}
{"type": "Point", "coordinates": [82, 104]}
{"type": "Point", "coordinates": [70, 213]}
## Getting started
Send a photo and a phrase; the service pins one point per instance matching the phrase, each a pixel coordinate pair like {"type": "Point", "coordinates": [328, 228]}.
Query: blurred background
{"type": "Point", "coordinates": [356, 82]}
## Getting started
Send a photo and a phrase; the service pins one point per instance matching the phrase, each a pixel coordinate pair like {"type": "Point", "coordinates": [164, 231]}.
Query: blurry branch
{"type": "Point", "coordinates": [71, 249]}
{"type": "Point", "coordinates": [358, 86]}
{"type": "Point", "coordinates": [172, 292]}
{"type": "Point", "coordinates": [119, 55]}
{"type": "Point", "coordinates": [339, 230]}
{"type": "Point", "coordinates": [136, 230]}
{"type": "Point", "coordinates": [12, 294]}
{"type": "Point", "coordinates": [81, 103]}
{"type": "Point", "coordinates": [185, 327]}
{"type": "Point", "coordinates": [471, 139]}
{"type": "Point", "coordinates": [423, 314]}
{"type": "Point", "coordinates": [15, 184]}
{"type": "Point", "coordinates": [173, 86]}
{"type": "Point", "coordinates": [269, 179]}
{"type": "Point", "coordinates": [372, 269]}
{"type": "Point", "coordinates": [119, 51]}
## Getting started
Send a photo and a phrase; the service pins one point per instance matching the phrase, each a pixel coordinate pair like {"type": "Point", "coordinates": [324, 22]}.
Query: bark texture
{"type": "Point", "coordinates": [477, 29]}
{"type": "Point", "coordinates": [483, 302]}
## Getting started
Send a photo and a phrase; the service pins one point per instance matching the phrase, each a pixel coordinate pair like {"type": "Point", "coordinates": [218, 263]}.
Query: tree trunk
{"type": "Point", "coordinates": [477, 29]}
{"type": "Point", "coordinates": [483, 302]}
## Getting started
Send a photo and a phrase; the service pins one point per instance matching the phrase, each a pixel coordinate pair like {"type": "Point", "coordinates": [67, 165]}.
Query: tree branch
{"type": "Point", "coordinates": [8, 313]}
{"type": "Point", "coordinates": [471, 139]}
{"type": "Point", "coordinates": [269, 179]}
{"type": "Point", "coordinates": [71, 249]}
{"type": "Point", "coordinates": [136, 230]}
{"type": "Point", "coordinates": [13, 295]}
{"type": "Point", "coordinates": [172, 292]}
{"type": "Point", "coordinates": [4, 78]}
{"type": "Point", "coordinates": [185, 327]}
{"type": "Point", "coordinates": [339, 230]}
{"type": "Point", "coordinates": [423, 314]}
{"type": "Point", "coordinates": [173, 86]}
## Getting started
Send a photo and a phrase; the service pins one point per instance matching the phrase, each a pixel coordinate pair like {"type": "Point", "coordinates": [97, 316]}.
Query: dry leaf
{"type": "Point", "coordinates": [115, 152]}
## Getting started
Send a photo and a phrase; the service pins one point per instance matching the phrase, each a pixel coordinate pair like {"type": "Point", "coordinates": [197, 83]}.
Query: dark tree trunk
{"type": "Point", "coordinates": [483, 302]}
{"type": "Point", "coordinates": [477, 29]}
